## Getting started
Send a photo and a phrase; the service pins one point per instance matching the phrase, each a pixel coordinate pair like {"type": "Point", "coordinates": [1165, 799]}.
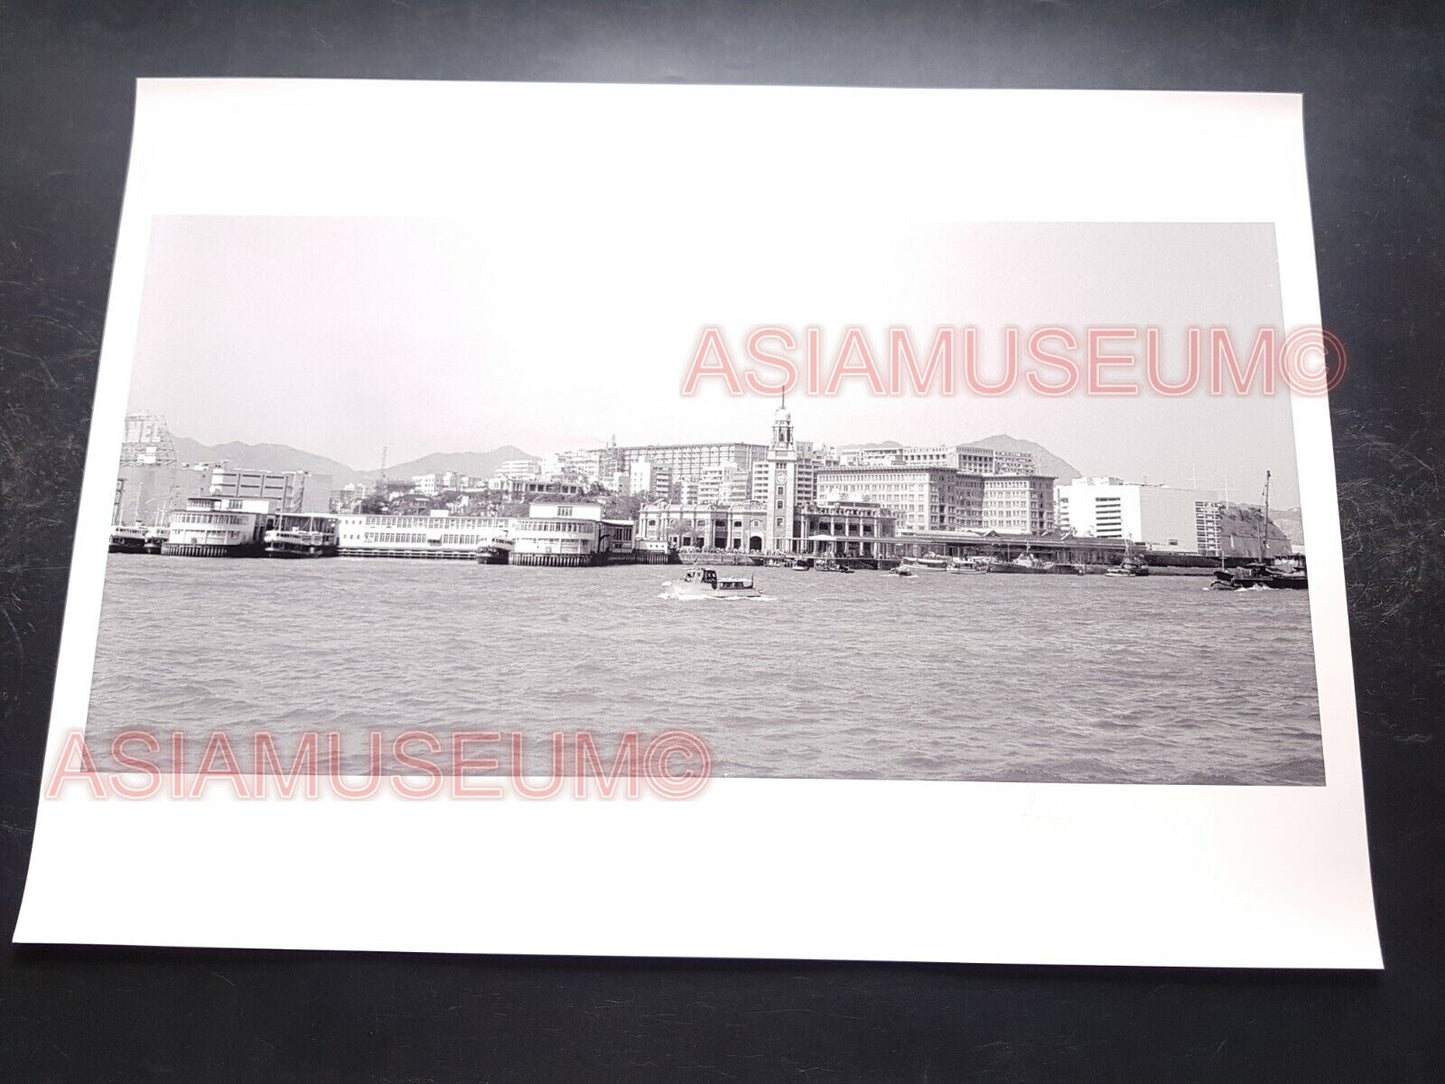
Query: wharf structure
{"type": "Point", "coordinates": [437, 536]}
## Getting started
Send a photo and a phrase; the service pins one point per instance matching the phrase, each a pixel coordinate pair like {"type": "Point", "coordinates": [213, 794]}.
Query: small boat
{"type": "Point", "coordinates": [902, 570]}
{"type": "Point", "coordinates": [156, 537]}
{"type": "Point", "coordinates": [1286, 572]}
{"type": "Point", "coordinates": [843, 569]}
{"type": "Point", "coordinates": [706, 583]}
{"type": "Point", "coordinates": [1030, 563]}
{"type": "Point", "coordinates": [777, 562]}
{"type": "Point", "coordinates": [127, 539]}
{"type": "Point", "coordinates": [802, 564]}
{"type": "Point", "coordinates": [931, 562]}
{"type": "Point", "coordinates": [1131, 565]}
{"type": "Point", "coordinates": [964, 566]}
{"type": "Point", "coordinates": [1283, 573]}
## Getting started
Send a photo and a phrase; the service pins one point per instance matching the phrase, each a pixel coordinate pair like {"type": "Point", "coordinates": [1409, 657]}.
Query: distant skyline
{"type": "Point", "coordinates": [341, 336]}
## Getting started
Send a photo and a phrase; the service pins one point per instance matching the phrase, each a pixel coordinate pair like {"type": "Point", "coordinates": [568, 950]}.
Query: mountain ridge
{"type": "Point", "coordinates": [284, 457]}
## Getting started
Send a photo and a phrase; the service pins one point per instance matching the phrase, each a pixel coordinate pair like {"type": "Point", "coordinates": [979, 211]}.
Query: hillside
{"type": "Point", "coordinates": [1045, 462]}
{"type": "Point", "coordinates": [283, 457]}
{"type": "Point", "coordinates": [272, 457]}
{"type": "Point", "coordinates": [476, 464]}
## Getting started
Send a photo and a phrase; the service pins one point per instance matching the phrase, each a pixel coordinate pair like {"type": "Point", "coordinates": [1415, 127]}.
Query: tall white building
{"type": "Point", "coordinates": [1164, 518]}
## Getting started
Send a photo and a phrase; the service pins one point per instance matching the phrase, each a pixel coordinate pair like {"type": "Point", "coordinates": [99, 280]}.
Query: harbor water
{"type": "Point", "coordinates": [1080, 679]}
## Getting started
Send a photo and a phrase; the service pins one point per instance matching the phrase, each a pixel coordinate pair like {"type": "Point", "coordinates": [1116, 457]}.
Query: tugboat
{"type": "Point", "coordinates": [1287, 572]}
{"type": "Point", "coordinates": [706, 583]}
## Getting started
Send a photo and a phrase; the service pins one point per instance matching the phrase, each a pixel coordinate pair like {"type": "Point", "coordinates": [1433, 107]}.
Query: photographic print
{"type": "Point", "coordinates": [535, 518]}
{"type": "Point", "coordinates": [484, 477]}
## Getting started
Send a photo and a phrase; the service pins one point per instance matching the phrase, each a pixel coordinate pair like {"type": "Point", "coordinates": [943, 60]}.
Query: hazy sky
{"type": "Point", "coordinates": [342, 335]}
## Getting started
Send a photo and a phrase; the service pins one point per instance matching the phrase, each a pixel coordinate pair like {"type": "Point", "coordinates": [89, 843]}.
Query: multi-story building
{"type": "Point", "coordinates": [519, 468]}
{"type": "Point", "coordinates": [429, 485]}
{"type": "Point", "coordinates": [922, 498]}
{"type": "Point", "coordinates": [647, 479]}
{"type": "Point", "coordinates": [525, 489]}
{"type": "Point", "coordinates": [288, 491]}
{"type": "Point", "coordinates": [969, 458]}
{"type": "Point", "coordinates": [682, 460]}
{"type": "Point", "coordinates": [1163, 518]}
{"type": "Point", "coordinates": [782, 513]}
{"type": "Point", "coordinates": [1018, 503]}
{"type": "Point", "coordinates": [434, 535]}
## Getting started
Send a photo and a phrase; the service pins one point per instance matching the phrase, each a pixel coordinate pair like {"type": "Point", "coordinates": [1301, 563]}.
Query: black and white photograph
{"type": "Point", "coordinates": [683, 541]}
{"type": "Point", "coordinates": [688, 505]}
{"type": "Point", "coordinates": [494, 479]}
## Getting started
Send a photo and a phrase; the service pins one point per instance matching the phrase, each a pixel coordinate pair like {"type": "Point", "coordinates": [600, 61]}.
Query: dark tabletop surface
{"type": "Point", "coordinates": [1375, 124]}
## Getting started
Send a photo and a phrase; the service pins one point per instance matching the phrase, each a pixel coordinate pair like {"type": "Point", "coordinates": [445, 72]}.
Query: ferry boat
{"type": "Point", "coordinates": [706, 583]}
{"type": "Point", "coordinates": [298, 543]}
{"type": "Point", "coordinates": [217, 527]}
{"type": "Point", "coordinates": [496, 552]}
{"type": "Point", "coordinates": [127, 539]}
{"type": "Point", "coordinates": [932, 562]}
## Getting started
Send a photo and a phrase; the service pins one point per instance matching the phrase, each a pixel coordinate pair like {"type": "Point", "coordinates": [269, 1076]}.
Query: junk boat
{"type": "Point", "coordinates": [706, 583]}
{"type": "Point", "coordinates": [1284, 572]}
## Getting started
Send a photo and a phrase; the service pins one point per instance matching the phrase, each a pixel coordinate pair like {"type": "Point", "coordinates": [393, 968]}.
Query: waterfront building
{"type": "Point", "coordinates": [216, 526]}
{"type": "Point", "coordinates": [287, 491]}
{"type": "Point", "coordinates": [1018, 503]}
{"type": "Point", "coordinates": [776, 483]}
{"type": "Point", "coordinates": [708, 526]}
{"type": "Point", "coordinates": [922, 498]}
{"type": "Point", "coordinates": [1164, 518]}
{"type": "Point", "coordinates": [845, 529]}
{"type": "Point", "coordinates": [570, 535]}
{"type": "Point", "coordinates": [438, 535]}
